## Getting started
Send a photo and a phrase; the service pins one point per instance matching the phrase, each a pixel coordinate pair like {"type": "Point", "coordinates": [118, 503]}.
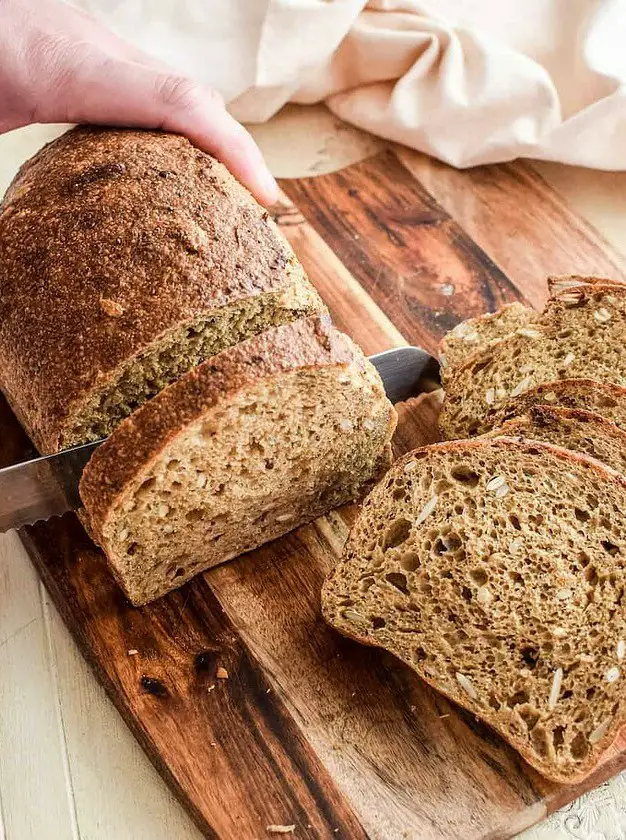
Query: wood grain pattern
{"type": "Point", "coordinates": [409, 255]}
{"type": "Point", "coordinates": [310, 728]}
{"type": "Point", "coordinates": [524, 226]}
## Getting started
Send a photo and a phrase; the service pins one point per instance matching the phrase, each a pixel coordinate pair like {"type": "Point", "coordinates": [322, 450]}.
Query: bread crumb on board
{"type": "Point", "coordinates": [281, 829]}
{"type": "Point", "coordinates": [221, 673]}
{"type": "Point", "coordinates": [133, 652]}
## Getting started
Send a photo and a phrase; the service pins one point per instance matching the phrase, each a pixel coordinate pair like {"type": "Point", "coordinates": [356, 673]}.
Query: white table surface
{"type": "Point", "coordinates": [69, 767]}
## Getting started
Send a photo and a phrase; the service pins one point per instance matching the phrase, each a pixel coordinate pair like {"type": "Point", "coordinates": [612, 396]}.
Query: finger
{"type": "Point", "coordinates": [111, 91]}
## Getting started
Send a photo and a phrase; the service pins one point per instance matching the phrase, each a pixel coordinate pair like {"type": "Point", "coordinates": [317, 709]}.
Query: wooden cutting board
{"type": "Point", "coordinates": [310, 729]}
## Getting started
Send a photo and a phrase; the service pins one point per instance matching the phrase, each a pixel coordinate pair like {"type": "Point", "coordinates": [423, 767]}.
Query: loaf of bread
{"type": "Point", "coordinates": [126, 258]}
{"type": "Point", "coordinates": [575, 429]}
{"type": "Point", "coordinates": [477, 333]}
{"type": "Point", "coordinates": [496, 570]}
{"type": "Point", "coordinates": [261, 438]}
{"type": "Point", "coordinates": [580, 334]}
{"type": "Point", "coordinates": [602, 398]}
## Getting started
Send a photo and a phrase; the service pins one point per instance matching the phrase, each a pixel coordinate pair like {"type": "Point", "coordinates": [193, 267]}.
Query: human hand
{"type": "Point", "coordinates": [57, 64]}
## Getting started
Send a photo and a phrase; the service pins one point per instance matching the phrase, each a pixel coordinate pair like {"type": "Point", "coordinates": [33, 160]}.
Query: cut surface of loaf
{"type": "Point", "coordinates": [476, 333]}
{"type": "Point", "coordinates": [126, 258]}
{"type": "Point", "coordinates": [601, 398]}
{"type": "Point", "coordinates": [580, 334]}
{"type": "Point", "coordinates": [497, 570]}
{"type": "Point", "coordinates": [575, 429]}
{"type": "Point", "coordinates": [254, 442]}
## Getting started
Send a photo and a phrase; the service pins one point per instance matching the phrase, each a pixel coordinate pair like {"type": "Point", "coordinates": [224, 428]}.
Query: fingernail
{"type": "Point", "coordinates": [269, 187]}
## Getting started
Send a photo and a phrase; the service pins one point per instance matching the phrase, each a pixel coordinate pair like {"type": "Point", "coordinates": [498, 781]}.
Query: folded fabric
{"type": "Point", "coordinates": [468, 81]}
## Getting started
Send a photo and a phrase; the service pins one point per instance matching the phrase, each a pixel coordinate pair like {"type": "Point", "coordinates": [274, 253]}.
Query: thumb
{"type": "Point", "coordinates": [119, 91]}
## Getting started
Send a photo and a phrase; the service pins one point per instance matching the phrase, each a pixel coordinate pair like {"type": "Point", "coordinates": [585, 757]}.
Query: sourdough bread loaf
{"type": "Point", "coordinates": [575, 429]}
{"type": "Point", "coordinates": [261, 438]}
{"type": "Point", "coordinates": [580, 334]}
{"type": "Point", "coordinates": [602, 398]}
{"type": "Point", "coordinates": [126, 258]}
{"type": "Point", "coordinates": [477, 333]}
{"type": "Point", "coordinates": [496, 570]}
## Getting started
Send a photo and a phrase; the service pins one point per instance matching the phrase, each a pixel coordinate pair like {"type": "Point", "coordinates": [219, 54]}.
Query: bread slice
{"type": "Point", "coordinates": [126, 258]}
{"type": "Point", "coordinates": [580, 334]}
{"type": "Point", "coordinates": [580, 431]}
{"type": "Point", "coordinates": [254, 442]}
{"type": "Point", "coordinates": [496, 570]}
{"type": "Point", "coordinates": [599, 397]}
{"type": "Point", "coordinates": [562, 282]}
{"type": "Point", "coordinates": [476, 333]}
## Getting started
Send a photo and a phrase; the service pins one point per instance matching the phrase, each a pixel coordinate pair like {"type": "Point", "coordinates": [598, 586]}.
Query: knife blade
{"type": "Point", "coordinates": [48, 486]}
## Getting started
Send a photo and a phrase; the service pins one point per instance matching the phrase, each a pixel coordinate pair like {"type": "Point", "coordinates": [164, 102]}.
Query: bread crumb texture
{"type": "Point", "coordinates": [496, 570]}
{"type": "Point", "coordinates": [580, 334]}
{"type": "Point", "coordinates": [248, 446]}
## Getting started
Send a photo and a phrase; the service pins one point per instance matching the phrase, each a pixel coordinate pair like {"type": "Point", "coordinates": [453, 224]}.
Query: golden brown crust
{"type": "Point", "coordinates": [310, 342]}
{"type": "Point", "coordinates": [108, 240]}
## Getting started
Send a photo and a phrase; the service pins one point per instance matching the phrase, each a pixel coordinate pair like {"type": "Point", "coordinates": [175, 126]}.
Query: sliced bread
{"type": "Point", "coordinates": [261, 438]}
{"type": "Point", "coordinates": [497, 570]}
{"type": "Point", "coordinates": [561, 282]}
{"type": "Point", "coordinates": [126, 258]}
{"type": "Point", "coordinates": [575, 429]}
{"type": "Point", "coordinates": [580, 334]}
{"type": "Point", "coordinates": [476, 333]}
{"type": "Point", "coordinates": [599, 397]}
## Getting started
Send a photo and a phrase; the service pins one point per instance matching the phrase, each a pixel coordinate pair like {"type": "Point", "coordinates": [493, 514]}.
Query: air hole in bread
{"type": "Point", "coordinates": [178, 573]}
{"type": "Point", "coordinates": [398, 580]}
{"type": "Point", "coordinates": [465, 475]}
{"type": "Point", "coordinates": [494, 702]}
{"type": "Point", "coordinates": [529, 715]}
{"type": "Point", "coordinates": [558, 737]}
{"type": "Point", "coordinates": [173, 464]}
{"type": "Point", "coordinates": [579, 747]}
{"type": "Point", "coordinates": [419, 654]}
{"type": "Point", "coordinates": [479, 576]}
{"type": "Point", "coordinates": [481, 366]}
{"type": "Point", "coordinates": [516, 577]}
{"type": "Point", "coordinates": [397, 533]}
{"type": "Point", "coordinates": [249, 409]}
{"type": "Point", "coordinates": [581, 515]}
{"type": "Point", "coordinates": [530, 655]}
{"type": "Point", "coordinates": [145, 486]}
{"type": "Point", "coordinates": [366, 583]}
{"type": "Point", "coordinates": [519, 698]}
{"type": "Point", "coordinates": [610, 547]}
{"type": "Point", "coordinates": [378, 622]}
{"type": "Point", "coordinates": [539, 738]}
{"type": "Point", "coordinates": [514, 520]}
{"type": "Point", "coordinates": [591, 575]}
{"type": "Point", "coordinates": [132, 548]}
{"type": "Point", "coordinates": [466, 593]}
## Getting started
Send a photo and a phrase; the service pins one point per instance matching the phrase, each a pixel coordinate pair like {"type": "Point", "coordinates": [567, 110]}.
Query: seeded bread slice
{"type": "Point", "coordinates": [249, 445]}
{"type": "Point", "coordinates": [580, 334]}
{"type": "Point", "coordinates": [496, 570]}
{"type": "Point", "coordinates": [476, 333]}
{"type": "Point", "coordinates": [561, 282]}
{"type": "Point", "coordinates": [580, 431]}
{"type": "Point", "coordinates": [599, 397]}
{"type": "Point", "coordinates": [126, 258]}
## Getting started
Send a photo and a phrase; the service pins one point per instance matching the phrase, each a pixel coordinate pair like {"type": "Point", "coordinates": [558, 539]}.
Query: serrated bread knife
{"type": "Point", "coordinates": [48, 486]}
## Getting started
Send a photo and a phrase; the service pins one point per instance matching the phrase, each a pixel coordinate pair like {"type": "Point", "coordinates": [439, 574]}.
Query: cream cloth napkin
{"type": "Point", "coordinates": [468, 81]}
